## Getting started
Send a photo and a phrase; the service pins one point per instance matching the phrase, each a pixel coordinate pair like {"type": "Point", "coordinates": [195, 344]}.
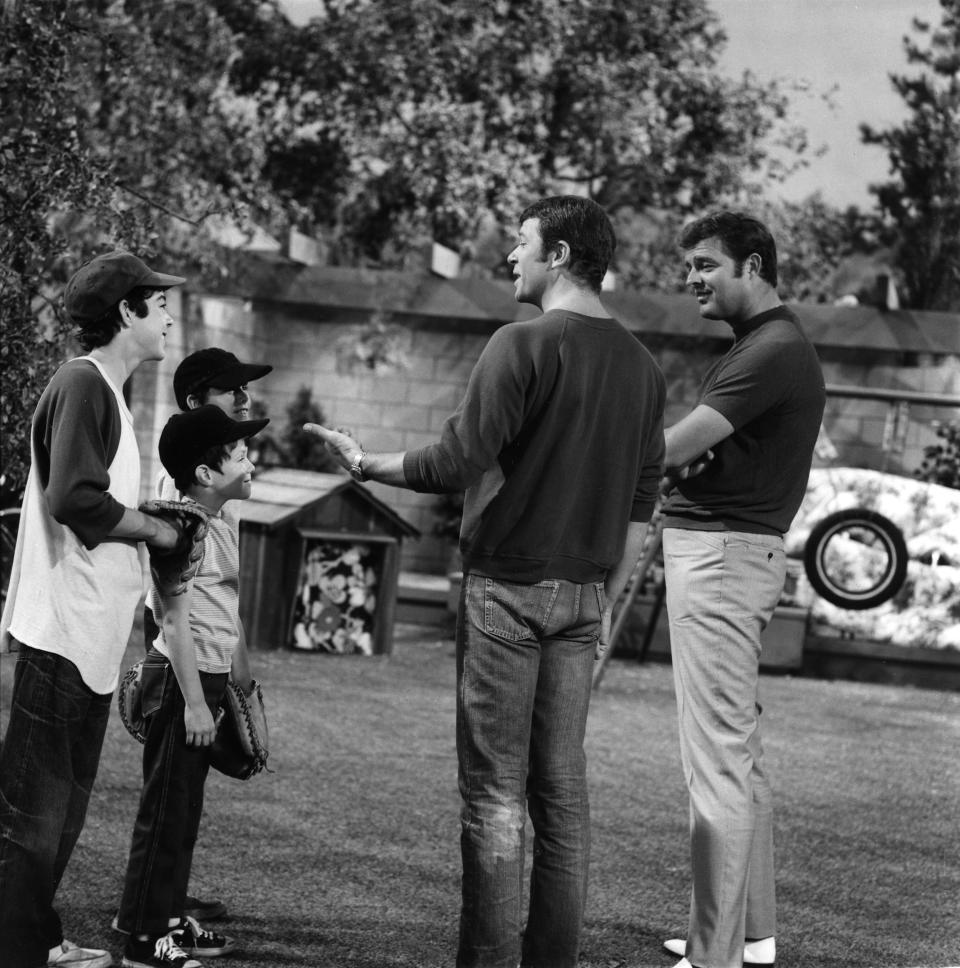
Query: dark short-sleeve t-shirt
{"type": "Point", "coordinates": [769, 385]}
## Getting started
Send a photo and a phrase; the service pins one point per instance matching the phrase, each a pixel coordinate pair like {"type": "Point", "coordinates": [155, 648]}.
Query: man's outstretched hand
{"type": "Point", "coordinates": [339, 443]}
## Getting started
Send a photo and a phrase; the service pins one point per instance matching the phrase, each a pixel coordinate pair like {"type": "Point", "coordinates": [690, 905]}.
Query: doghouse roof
{"type": "Point", "coordinates": [282, 493]}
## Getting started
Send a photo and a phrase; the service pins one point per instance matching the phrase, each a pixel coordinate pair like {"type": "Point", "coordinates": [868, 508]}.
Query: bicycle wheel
{"type": "Point", "coordinates": [856, 559]}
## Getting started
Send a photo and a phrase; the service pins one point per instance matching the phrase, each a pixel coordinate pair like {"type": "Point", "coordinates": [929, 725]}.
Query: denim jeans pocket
{"type": "Point", "coordinates": [514, 612]}
{"type": "Point", "coordinates": [601, 601]}
{"type": "Point", "coordinates": [153, 685]}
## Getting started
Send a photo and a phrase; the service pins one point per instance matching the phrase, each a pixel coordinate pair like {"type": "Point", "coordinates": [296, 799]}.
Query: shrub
{"type": "Point", "coordinates": [941, 461]}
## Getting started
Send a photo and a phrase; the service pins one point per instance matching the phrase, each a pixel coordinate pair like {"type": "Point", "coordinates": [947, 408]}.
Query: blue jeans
{"type": "Point", "coordinates": [722, 588]}
{"type": "Point", "coordinates": [48, 763]}
{"type": "Point", "coordinates": [524, 667]}
{"type": "Point", "coordinates": [171, 802]}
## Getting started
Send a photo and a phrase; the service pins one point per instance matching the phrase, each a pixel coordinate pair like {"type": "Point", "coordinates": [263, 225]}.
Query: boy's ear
{"type": "Point", "coordinates": [125, 312]}
{"type": "Point", "coordinates": [203, 475]}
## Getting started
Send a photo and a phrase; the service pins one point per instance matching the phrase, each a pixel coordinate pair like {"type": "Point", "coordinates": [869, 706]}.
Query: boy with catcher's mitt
{"type": "Point", "coordinates": [211, 375]}
{"type": "Point", "coordinates": [185, 675]}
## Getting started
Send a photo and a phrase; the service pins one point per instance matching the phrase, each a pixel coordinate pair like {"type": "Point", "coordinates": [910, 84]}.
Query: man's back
{"type": "Point", "coordinates": [587, 454]}
{"type": "Point", "coordinates": [563, 414]}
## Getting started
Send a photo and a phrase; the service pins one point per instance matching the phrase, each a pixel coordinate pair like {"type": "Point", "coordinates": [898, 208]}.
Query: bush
{"type": "Point", "coordinates": [294, 447]}
{"type": "Point", "coordinates": [941, 462]}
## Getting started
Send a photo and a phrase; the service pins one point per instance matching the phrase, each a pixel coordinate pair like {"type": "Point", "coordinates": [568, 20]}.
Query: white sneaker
{"type": "Point", "coordinates": [762, 953]}
{"type": "Point", "coordinates": [70, 955]}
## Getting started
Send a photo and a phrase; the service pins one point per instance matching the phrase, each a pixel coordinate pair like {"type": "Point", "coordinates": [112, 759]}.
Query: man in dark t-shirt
{"type": "Point", "coordinates": [558, 443]}
{"type": "Point", "coordinates": [739, 462]}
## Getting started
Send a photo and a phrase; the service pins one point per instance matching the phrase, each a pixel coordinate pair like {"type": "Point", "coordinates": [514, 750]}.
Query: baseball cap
{"type": "Point", "coordinates": [187, 436]}
{"type": "Point", "coordinates": [104, 281]}
{"type": "Point", "coordinates": [213, 368]}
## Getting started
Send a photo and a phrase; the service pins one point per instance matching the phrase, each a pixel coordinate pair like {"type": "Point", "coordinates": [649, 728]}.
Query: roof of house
{"type": "Point", "coordinates": [491, 302]}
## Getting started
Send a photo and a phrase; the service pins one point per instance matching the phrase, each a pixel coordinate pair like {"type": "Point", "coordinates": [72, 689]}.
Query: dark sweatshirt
{"type": "Point", "coordinates": [558, 443]}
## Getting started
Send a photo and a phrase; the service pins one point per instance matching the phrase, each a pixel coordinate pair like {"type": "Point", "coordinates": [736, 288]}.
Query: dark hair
{"type": "Point", "coordinates": [100, 332]}
{"type": "Point", "coordinates": [740, 235]}
{"type": "Point", "coordinates": [213, 457]}
{"type": "Point", "coordinates": [584, 226]}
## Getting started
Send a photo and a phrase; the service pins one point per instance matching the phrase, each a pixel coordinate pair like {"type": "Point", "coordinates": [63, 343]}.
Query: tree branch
{"type": "Point", "coordinates": [167, 211]}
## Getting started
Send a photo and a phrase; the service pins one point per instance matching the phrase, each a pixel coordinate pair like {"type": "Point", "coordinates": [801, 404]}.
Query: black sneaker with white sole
{"type": "Point", "coordinates": [197, 940]}
{"type": "Point", "coordinates": [161, 952]}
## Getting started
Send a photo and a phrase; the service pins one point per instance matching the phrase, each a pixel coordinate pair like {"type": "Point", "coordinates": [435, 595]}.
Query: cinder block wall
{"type": "Point", "coordinates": [404, 408]}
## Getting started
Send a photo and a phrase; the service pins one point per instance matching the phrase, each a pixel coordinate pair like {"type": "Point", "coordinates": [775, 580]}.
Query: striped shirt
{"type": "Point", "coordinates": [215, 606]}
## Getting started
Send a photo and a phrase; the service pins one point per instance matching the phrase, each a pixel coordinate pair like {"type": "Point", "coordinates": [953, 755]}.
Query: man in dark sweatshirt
{"type": "Point", "coordinates": [559, 446]}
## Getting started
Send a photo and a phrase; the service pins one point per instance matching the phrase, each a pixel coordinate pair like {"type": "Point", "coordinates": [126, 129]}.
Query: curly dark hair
{"type": "Point", "coordinates": [741, 236]}
{"type": "Point", "coordinates": [101, 331]}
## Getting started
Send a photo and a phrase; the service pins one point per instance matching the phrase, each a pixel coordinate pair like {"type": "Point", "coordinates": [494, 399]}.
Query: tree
{"type": "Point", "coordinates": [923, 199]}
{"type": "Point", "coordinates": [431, 116]}
{"type": "Point", "coordinates": [292, 446]}
{"type": "Point", "coordinates": [118, 128]}
{"type": "Point", "coordinates": [387, 125]}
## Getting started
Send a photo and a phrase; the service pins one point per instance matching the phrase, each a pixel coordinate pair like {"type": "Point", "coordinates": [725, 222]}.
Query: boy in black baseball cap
{"type": "Point", "coordinates": [199, 645]}
{"type": "Point", "coordinates": [190, 437]}
{"type": "Point", "coordinates": [209, 376]}
{"type": "Point", "coordinates": [215, 375]}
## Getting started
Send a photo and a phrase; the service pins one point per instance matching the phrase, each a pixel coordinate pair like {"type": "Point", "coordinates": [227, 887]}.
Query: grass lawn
{"type": "Point", "coordinates": [347, 855]}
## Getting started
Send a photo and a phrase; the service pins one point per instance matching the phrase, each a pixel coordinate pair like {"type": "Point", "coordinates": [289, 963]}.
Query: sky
{"type": "Point", "coordinates": [851, 44]}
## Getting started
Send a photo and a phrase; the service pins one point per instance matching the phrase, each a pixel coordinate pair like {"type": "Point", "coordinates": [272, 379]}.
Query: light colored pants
{"type": "Point", "coordinates": [722, 588]}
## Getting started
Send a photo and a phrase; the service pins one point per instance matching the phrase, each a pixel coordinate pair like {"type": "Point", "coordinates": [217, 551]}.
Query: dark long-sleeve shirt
{"type": "Point", "coordinates": [76, 430]}
{"type": "Point", "coordinates": [558, 443]}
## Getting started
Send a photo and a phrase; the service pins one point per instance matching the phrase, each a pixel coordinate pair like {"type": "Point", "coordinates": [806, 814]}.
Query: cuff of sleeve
{"type": "Point", "coordinates": [642, 512]}
{"type": "Point", "coordinates": [411, 470]}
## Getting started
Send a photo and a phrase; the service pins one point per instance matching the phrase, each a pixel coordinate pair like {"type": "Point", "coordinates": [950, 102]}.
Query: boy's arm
{"type": "Point", "coordinates": [197, 719]}
{"type": "Point", "coordinates": [240, 668]}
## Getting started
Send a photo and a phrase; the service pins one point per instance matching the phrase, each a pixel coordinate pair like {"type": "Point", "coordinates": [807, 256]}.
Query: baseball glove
{"type": "Point", "coordinates": [242, 744]}
{"type": "Point", "coordinates": [172, 569]}
{"type": "Point", "coordinates": [129, 701]}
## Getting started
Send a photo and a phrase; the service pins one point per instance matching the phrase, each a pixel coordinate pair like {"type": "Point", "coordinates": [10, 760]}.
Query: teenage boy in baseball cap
{"type": "Point", "coordinates": [198, 647]}
{"type": "Point", "coordinates": [77, 578]}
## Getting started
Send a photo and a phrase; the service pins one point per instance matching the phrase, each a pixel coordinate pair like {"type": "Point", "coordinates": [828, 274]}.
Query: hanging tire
{"type": "Point", "coordinates": [856, 559]}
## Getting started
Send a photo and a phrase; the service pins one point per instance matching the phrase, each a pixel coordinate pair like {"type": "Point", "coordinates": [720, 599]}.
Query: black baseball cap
{"type": "Point", "coordinates": [215, 369]}
{"type": "Point", "coordinates": [100, 284]}
{"type": "Point", "coordinates": [187, 436]}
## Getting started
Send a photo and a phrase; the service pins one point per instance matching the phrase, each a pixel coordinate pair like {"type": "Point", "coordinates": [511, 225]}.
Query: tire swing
{"type": "Point", "coordinates": [856, 559]}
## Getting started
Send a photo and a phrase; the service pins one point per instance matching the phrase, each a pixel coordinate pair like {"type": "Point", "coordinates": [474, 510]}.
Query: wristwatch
{"type": "Point", "coordinates": [356, 466]}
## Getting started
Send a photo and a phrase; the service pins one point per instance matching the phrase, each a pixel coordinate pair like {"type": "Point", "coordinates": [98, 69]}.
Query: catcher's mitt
{"type": "Point", "coordinates": [241, 746]}
{"type": "Point", "coordinates": [129, 697]}
{"type": "Point", "coordinates": [172, 569]}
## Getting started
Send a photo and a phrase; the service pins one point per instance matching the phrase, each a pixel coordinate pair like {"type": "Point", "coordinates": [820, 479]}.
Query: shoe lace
{"type": "Point", "coordinates": [167, 949]}
{"type": "Point", "coordinates": [198, 930]}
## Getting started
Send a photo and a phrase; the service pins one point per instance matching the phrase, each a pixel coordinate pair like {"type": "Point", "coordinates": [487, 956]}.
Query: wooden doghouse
{"type": "Point", "coordinates": [319, 558]}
